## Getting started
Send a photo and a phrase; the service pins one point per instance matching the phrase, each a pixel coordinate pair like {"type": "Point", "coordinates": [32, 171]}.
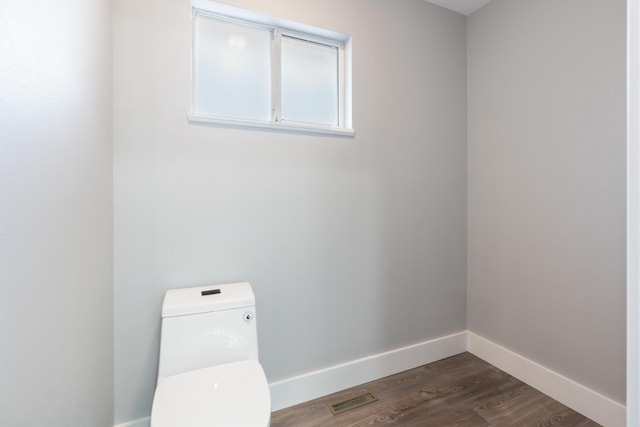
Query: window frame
{"type": "Point", "coordinates": [279, 28]}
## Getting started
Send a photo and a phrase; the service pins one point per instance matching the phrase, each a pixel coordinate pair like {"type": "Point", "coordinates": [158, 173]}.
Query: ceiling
{"type": "Point", "coordinates": [465, 7]}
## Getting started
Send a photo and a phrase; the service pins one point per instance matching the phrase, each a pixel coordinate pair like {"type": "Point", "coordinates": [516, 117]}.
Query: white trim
{"type": "Point", "coordinates": [311, 385]}
{"type": "Point", "coordinates": [268, 126]}
{"type": "Point", "coordinates": [140, 422]}
{"type": "Point", "coordinates": [591, 404]}
{"type": "Point", "coordinates": [234, 12]}
{"type": "Point", "coordinates": [633, 213]}
{"type": "Point", "coordinates": [302, 388]}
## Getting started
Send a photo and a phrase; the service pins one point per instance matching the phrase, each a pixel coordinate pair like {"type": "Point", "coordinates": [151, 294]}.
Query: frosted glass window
{"type": "Point", "coordinates": [310, 91]}
{"type": "Point", "coordinates": [251, 70]}
{"type": "Point", "coordinates": [232, 70]}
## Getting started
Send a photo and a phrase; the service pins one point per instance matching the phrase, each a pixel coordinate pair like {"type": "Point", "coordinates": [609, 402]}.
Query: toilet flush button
{"type": "Point", "coordinates": [248, 316]}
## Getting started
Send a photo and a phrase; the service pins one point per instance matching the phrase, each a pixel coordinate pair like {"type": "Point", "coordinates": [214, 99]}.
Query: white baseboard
{"type": "Point", "coordinates": [291, 391]}
{"type": "Point", "coordinates": [309, 386]}
{"type": "Point", "coordinates": [140, 422]}
{"type": "Point", "coordinates": [591, 404]}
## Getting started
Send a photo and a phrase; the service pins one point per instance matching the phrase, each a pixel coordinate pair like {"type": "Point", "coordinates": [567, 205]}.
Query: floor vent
{"type": "Point", "coordinates": [352, 403]}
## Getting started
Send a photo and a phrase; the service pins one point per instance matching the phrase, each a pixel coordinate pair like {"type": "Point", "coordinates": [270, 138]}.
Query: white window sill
{"type": "Point", "coordinates": [268, 126]}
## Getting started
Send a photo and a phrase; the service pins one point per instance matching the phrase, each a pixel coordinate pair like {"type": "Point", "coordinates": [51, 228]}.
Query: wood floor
{"type": "Point", "coordinates": [462, 390]}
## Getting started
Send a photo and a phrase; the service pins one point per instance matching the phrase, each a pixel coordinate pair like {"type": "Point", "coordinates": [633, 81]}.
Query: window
{"type": "Point", "coordinates": [253, 70]}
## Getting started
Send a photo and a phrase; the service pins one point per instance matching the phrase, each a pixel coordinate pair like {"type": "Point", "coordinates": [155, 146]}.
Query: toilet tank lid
{"type": "Point", "coordinates": [204, 299]}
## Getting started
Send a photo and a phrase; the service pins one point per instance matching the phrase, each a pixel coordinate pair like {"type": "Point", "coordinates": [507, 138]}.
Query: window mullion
{"type": "Point", "coordinates": [341, 88]}
{"type": "Point", "coordinates": [276, 80]}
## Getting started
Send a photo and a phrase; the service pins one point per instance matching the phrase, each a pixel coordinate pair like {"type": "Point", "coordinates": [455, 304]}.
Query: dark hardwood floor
{"type": "Point", "coordinates": [462, 390]}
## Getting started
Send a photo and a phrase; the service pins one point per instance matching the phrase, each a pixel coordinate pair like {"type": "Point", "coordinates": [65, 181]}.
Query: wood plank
{"type": "Point", "coordinates": [462, 390]}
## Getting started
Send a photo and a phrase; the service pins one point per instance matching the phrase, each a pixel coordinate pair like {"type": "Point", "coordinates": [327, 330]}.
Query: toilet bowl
{"type": "Point", "coordinates": [233, 394]}
{"type": "Point", "coordinates": [209, 373]}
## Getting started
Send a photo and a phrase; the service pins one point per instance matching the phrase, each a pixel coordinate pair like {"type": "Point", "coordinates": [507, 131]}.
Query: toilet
{"type": "Point", "coordinates": [209, 374]}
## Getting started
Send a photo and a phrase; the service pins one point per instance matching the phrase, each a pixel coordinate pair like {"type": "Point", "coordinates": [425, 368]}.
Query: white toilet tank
{"type": "Point", "coordinates": [207, 326]}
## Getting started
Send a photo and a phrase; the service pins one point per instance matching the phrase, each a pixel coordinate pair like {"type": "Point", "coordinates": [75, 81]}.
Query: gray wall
{"type": "Point", "coordinates": [353, 246]}
{"type": "Point", "coordinates": [546, 233]}
{"type": "Point", "coordinates": [56, 298]}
